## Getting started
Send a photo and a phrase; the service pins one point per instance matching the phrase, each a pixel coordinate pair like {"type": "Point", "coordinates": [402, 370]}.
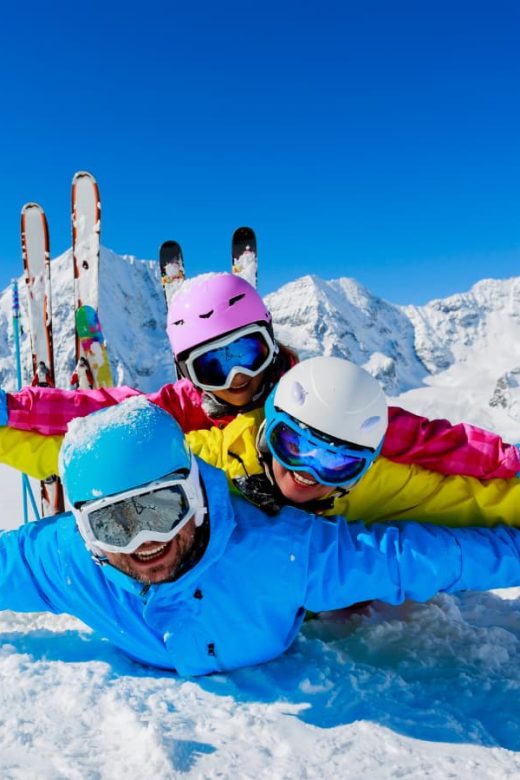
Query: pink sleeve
{"type": "Point", "coordinates": [184, 402]}
{"type": "Point", "coordinates": [48, 410]}
{"type": "Point", "coordinates": [450, 449]}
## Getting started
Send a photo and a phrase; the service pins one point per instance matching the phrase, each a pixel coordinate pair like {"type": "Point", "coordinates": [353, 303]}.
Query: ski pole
{"type": "Point", "coordinates": [26, 485]}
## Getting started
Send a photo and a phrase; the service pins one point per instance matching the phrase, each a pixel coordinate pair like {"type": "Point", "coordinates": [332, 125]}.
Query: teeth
{"type": "Point", "coordinates": [301, 480]}
{"type": "Point", "coordinates": [151, 553]}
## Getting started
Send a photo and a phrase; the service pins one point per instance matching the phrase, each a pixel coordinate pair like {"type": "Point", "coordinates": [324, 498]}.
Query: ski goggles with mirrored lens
{"type": "Point", "coordinates": [246, 351]}
{"type": "Point", "coordinates": [155, 512]}
{"type": "Point", "coordinates": [302, 449]}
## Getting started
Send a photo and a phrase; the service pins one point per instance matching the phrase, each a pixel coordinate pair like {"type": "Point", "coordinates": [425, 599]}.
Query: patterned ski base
{"type": "Point", "coordinates": [92, 349]}
{"type": "Point", "coordinates": [244, 254]}
{"type": "Point", "coordinates": [171, 262]}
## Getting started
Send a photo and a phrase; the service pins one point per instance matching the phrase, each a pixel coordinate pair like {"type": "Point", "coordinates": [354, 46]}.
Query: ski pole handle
{"type": "Point", "coordinates": [16, 299]}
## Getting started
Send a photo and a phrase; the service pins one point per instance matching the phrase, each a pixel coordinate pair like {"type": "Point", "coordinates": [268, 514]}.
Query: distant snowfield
{"type": "Point", "coordinates": [417, 691]}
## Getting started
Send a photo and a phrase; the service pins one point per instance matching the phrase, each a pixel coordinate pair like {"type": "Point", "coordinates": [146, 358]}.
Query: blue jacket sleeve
{"type": "Point", "coordinates": [3, 408]}
{"type": "Point", "coordinates": [350, 562]}
{"type": "Point", "coordinates": [31, 575]}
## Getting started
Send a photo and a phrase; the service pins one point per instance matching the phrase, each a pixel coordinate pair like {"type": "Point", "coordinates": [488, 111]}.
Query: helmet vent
{"type": "Point", "coordinates": [236, 299]}
{"type": "Point", "coordinates": [370, 423]}
{"type": "Point", "coordinates": [298, 393]}
{"type": "Point", "coordinates": [207, 315]}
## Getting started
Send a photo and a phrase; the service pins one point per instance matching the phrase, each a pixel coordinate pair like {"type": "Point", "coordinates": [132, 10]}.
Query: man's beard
{"type": "Point", "coordinates": [183, 545]}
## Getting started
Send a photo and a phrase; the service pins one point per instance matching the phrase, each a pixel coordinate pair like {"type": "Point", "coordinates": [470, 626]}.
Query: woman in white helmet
{"type": "Point", "coordinates": [319, 448]}
{"type": "Point", "coordinates": [324, 426]}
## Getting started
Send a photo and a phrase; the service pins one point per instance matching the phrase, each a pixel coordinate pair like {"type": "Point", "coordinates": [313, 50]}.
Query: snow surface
{"type": "Point", "coordinates": [417, 691]}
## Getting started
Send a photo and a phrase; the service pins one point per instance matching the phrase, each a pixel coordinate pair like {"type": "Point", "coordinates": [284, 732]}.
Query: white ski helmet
{"type": "Point", "coordinates": [335, 397]}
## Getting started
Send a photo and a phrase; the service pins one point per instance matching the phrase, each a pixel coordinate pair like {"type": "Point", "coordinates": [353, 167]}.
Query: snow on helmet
{"type": "Point", "coordinates": [119, 448]}
{"type": "Point", "coordinates": [210, 306]}
{"type": "Point", "coordinates": [334, 397]}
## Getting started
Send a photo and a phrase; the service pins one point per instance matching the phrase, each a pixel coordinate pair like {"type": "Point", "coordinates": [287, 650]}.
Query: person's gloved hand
{"type": "Point", "coordinates": [3, 407]}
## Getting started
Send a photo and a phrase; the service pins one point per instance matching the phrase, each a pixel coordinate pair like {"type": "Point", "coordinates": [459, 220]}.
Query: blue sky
{"type": "Point", "coordinates": [371, 139]}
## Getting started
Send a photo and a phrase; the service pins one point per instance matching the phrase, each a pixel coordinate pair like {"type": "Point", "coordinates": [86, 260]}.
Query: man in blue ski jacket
{"type": "Point", "coordinates": [159, 557]}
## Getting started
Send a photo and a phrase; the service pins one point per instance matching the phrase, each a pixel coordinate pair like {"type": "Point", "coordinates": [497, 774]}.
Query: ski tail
{"type": "Point", "coordinates": [37, 274]}
{"type": "Point", "coordinates": [244, 257]}
{"type": "Point", "coordinates": [171, 262]}
{"type": "Point", "coordinates": [86, 231]}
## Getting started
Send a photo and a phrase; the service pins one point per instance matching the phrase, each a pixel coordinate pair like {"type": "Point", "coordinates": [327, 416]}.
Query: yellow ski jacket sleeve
{"type": "Point", "coordinates": [33, 454]}
{"type": "Point", "coordinates": [231, 449]}
{"type": "Point", "coordinates": [394, 491]}
{"type": "Point", "coordinates": [388, 491]}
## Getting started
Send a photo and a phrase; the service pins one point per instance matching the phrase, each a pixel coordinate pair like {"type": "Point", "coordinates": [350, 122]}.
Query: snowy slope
{"type": "Point", "coordinates": [416, 691]}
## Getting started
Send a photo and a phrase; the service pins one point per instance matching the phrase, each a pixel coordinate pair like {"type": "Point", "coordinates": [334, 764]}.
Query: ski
{"type": "Point", "coordinates": [244, 257]}
{"type": "Point", "coordinates": [91, 350]}
{"type": "Point", "coordinates": [37, 275]}
{"type": "Point", "coordinates": [171, 263]}
{"type": "Point", "coordinates": [92, 369]}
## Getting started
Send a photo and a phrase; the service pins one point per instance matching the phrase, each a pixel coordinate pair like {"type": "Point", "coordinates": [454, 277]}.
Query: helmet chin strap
{"type": "Point", "coordinates": [263, 454]}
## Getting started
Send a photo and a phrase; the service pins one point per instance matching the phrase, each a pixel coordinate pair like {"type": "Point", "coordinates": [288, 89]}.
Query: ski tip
{"type": "Point", "coordinates": [83, 175]}
{"type": "Point", "coordinates": [31, 207]}
{"type": "Point", "coordinates": [244, 232]}
{"type": "Point", "coordinates": [169, 245]}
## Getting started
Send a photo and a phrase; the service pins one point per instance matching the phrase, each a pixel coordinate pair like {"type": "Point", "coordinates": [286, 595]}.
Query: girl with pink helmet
{"type": "Point", "coordinates": [221, 335]}
{"type": "Point", "coordinates": [225, 350]}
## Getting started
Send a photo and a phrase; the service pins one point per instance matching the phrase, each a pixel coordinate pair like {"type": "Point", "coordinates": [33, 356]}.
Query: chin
{"type": "Point", "coordinates": [291, 493]}
{"type": "Point", "coordinates": [237, 399]}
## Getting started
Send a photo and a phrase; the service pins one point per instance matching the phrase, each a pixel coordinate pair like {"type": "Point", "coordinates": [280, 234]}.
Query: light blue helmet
{"type": "Point", "coordinates": [120, 448]}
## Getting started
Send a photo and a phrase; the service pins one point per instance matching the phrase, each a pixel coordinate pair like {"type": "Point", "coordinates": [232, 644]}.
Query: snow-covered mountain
{"type": "Point", "coordinates": [343, 318]}
{"type": "Point", "coordinates": [464, 346]}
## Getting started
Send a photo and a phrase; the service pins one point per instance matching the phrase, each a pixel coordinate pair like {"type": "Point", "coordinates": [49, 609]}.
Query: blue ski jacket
{"type": "Point", "coordinates": [244, 602]}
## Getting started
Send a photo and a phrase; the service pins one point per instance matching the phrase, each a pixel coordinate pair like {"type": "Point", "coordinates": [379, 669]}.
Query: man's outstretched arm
{"type": "Point", "coordinates": [349, 562]}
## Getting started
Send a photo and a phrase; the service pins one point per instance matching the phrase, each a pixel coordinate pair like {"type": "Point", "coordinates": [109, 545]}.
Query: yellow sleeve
{"type": "Point", "coordinates": [394, 491]}
{"type": "Point", "coordinates": [232, 449]}
{"type": "Point", "coordinates": [31, 453]}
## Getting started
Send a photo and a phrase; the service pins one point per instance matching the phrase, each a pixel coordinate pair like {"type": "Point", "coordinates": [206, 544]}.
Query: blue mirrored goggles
{"type": "Point", "coordinates": [300, 449]}
{"type": "Point", "coordinates": [213, 366]}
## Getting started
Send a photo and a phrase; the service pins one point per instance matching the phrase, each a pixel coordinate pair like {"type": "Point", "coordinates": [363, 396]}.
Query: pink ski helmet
{"type": "Point", "coordinates": [209, 306]}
